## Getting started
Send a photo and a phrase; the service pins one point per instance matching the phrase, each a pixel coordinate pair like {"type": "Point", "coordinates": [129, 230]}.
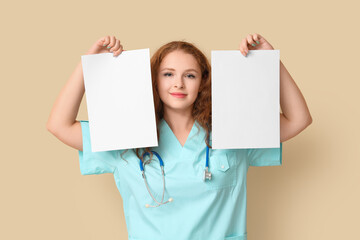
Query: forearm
{"type": "Point", "coordinates": [66, 106]}
{"type": "Point", "coordinates": [292, 102]}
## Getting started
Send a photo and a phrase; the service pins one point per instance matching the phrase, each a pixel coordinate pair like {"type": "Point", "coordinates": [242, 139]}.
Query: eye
{"type": "Point", "coordinates": [166, 74]}
{"type": "Point", "coordinates": [191, 76]}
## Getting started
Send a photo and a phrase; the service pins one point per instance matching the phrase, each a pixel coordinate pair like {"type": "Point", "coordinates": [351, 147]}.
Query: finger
{"type": "Point", "coordinates": [112, 42]}
{"type": "Point", "coordinates": [102, 40]}
{"type": "Point", "coordinates": [251, 40]}
{"type": "Point", "coordinates": [116, 46]}
{"type": "Point", "coordinates": [256, 38]}
{"type": "Point", "coordinates": [119, 51]}
{"type": "Point", "coordinates": [106, 41]}
{"type": "Point", "coordinates": [243, 47]}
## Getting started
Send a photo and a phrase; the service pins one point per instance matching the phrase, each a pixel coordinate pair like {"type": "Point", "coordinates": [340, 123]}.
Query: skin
{"type": "Point", "coordinates": [179, 72]}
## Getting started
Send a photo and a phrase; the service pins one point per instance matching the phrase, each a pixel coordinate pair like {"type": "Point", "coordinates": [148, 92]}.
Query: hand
{"type": "Point", "coordinates": [259, 43]}
{"type": "Point", "coordinates": [105, 45]}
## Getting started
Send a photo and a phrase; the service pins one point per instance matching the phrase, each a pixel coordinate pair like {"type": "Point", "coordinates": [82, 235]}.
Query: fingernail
{"type": "Point", "coordinates": [108, 47]}
{"type": "Point", "coordinates": [253, 44]}
{"type": "Point", "coordinates": [257, 42]}
{"type": "Point", "coordinates": [104, 45]}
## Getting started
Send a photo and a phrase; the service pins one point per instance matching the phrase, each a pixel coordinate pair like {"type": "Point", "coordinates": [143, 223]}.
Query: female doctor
{"type": "Point", "coordinates": [181, 189]}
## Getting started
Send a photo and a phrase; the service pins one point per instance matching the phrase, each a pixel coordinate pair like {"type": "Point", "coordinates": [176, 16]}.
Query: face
{"type": "Point", "coordinates": [179, 72]}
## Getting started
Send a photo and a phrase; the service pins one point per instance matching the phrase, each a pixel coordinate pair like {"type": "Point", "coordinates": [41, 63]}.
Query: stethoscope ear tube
{"type": "Point", "coordinates": [142, 163]}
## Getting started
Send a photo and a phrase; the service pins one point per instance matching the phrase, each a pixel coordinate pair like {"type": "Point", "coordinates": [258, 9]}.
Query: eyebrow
{"type": "Point", "coordinates": [190, 69]}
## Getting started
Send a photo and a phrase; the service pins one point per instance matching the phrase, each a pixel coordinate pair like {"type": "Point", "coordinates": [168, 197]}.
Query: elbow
{"type": "Point", "coordinates": [50, 128]}
{"type": "Point", "coordinates": [301, 125]}
{"type": "Point", "coordinates": [305, 123]}
{"type": "Point", "coordinates": [309, 120]}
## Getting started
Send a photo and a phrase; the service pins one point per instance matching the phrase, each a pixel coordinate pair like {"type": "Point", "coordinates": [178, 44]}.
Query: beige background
{"type": "Point", "coordinates": [315, 193]}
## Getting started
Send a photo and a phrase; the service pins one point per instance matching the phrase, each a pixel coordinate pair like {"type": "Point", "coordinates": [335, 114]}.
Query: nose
{"type": "Point", "coordinates": [179, 83]}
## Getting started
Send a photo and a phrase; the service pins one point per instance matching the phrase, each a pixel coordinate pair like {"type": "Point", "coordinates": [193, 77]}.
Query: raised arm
{"type": "Point", "coordinates": [295, 116]}
{"type": "Point", "coordinates": [62, 120]}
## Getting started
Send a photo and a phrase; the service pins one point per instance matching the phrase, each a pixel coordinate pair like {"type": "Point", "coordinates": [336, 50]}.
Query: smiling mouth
{"type": "Point", "coordinates": [178, 95]}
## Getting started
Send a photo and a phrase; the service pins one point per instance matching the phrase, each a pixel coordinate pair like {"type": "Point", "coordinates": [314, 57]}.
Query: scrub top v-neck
{"type": "Point", "coordinates": [212, 210]}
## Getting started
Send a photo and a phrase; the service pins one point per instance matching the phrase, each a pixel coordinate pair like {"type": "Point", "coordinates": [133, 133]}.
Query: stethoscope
{"type": "Point", "coordinates": [207, 175]}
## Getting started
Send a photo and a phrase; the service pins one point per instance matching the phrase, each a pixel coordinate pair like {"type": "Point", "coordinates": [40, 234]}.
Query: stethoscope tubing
{"type": "Point", "coordinates": [207, 175]}
{"type": "Point", "coordinates": [163, 175]}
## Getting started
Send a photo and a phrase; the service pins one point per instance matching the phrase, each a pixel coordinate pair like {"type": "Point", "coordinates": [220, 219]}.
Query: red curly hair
{"type": "Point", "coordinates": [202, 106]}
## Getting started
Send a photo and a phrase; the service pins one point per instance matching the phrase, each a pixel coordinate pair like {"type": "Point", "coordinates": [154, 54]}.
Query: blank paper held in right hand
{"type": "Point", "coordinates": [245, 99]}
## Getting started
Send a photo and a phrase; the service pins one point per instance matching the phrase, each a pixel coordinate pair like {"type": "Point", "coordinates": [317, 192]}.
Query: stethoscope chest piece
{"type": "Point", "coordinates": [207, 174]}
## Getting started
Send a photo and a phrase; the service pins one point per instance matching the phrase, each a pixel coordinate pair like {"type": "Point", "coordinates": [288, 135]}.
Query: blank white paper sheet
{"type": "Point", "coordinates": [119, 100]}
{"type": "Point", "coordinates": [245, 99]}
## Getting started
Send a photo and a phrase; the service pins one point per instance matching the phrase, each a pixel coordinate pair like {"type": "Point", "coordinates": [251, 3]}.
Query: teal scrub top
{"type": "Point", "coordinates": [211, 210]}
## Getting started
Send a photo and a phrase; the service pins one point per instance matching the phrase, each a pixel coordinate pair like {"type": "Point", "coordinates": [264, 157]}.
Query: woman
{"type": "Point", "coordinates": [188, 206]}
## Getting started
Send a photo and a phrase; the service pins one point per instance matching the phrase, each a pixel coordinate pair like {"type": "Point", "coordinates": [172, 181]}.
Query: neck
{"type": "Point", "coordinates": [179, 120]}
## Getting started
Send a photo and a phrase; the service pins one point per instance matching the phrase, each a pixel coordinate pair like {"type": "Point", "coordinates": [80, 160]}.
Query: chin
{"type": "Point", "coordinates": [178, 106]}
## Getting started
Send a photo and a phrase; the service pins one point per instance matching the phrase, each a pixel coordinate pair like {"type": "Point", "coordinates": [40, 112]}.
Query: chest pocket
{"type": "Point", "coordinates": [223, 171]}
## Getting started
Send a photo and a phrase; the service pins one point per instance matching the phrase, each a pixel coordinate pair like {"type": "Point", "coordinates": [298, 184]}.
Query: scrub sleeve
{"type": "Point", "coordinates": [259, 157]}
{"type": "Point", "coordinates": [95, 162]}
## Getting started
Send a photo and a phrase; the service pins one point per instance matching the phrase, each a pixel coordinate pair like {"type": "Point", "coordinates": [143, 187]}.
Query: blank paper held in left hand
{"type": "Point", "coordinates": [119, 100]}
